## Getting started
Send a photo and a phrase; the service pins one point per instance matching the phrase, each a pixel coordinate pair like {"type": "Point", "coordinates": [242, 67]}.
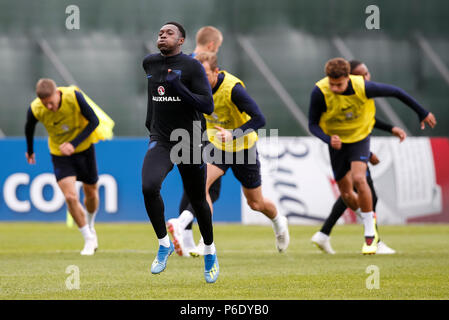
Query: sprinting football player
{"type": "Point", "coordinates": [74, 123]}
{"type": "Point", "coordinates": [178, 95]}
{"type": "Point", "coordinates": [231, 129]}
{"type": "Point", "coordinates": [322, 238]}
{"type": "Point", "coordinates": [342, 114]}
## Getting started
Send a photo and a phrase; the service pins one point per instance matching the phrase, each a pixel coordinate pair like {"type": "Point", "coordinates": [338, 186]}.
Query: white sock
{"type": "Point", "coordinates": [209, 249]}
{"type": "Point", "coordinates": [323, 235]}
{"type": "Point", "coordinates": [87, 234]}
{"type": "Point", "coordinates": [358, 212]}
{"type": "Point", "coordinates": [368, 222]}
{"type": "Point", "coordinates": [165, 241]}
{"type": "Point", "coordinates": [91, 218]}
{"type": "Point", "coordinates": [187, 237]}
{"type": "Point", "coordinates": [277, 226]}
{"type": "Point", "coordinates": [185, 218]}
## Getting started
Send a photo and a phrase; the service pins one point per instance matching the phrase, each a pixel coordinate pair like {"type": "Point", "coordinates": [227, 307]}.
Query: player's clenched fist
{"type": "Point", "coordinates": [336, 142]}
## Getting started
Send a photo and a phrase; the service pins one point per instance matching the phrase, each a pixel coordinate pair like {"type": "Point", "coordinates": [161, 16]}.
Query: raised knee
{"type": "Point", "coordinates": [359, 180]}
{"type": "Point", "coordinates": [255, 205]}
{"type": "Point", "coordinates": [150, 189]}
{"type": "Point", "coordinates": [346, 196]}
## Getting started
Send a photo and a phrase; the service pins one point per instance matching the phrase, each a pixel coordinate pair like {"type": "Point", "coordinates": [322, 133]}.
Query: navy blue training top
{"type": "Point", "coordinates": [176, 100]}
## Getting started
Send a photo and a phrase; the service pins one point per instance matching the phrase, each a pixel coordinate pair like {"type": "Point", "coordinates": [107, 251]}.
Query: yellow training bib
{"type": "Point", "coordinates": [228, 116]}
{"type": "Point", "coordinates": [351, 117]}
{"type": "Point", "coordinates": [66, 123]}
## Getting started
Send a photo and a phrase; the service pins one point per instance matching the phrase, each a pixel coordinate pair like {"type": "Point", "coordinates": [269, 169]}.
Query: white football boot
{"type": "Point", "coordinates": [322, 241]}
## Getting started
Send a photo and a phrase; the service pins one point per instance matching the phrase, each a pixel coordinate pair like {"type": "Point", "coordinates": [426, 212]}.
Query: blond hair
{"type": "Point", "coordinates": [209, 57]}
{"type": "Point", "coordinates": [45, 87]}
{"type": "Point", "coordinates": [337, 67]}
{"type": "Point", "coordinates": [207, 34]}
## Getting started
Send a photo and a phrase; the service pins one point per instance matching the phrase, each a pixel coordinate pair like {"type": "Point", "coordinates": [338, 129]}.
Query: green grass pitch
{"type": "Point", "coordinates": [34, 258]}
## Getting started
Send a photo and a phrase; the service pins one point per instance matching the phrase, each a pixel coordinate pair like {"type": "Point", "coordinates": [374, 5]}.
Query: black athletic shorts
{"type": "Point", "coordinates": [244, 164]}
{"type": "Point", "coordinates": [349, 152]}
{"type": "Point", "coordinates": [83, 165]}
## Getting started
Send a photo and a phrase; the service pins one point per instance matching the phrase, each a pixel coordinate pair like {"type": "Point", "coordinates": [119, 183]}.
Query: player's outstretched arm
{"type": "Point", "coordinates": [376, 89]}
{"type": "Point", "coordinates": [30, 126]}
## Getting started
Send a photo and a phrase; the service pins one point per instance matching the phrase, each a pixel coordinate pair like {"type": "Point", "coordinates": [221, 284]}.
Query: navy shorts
{"type": "Point", "coordinates": [349, 152]}
{"type": "Point", "coordinates": [83, 165]}
{"type": "Point", "coordinates": [244, 164]}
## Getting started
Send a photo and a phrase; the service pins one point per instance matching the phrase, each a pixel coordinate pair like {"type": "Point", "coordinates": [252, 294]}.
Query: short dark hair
{"type": "Point", "coordinates": [179, 26]}
{"type": "Point", "coordinates": [354, 64]}
{"type": "Point", "coordinates": [336, 68]}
